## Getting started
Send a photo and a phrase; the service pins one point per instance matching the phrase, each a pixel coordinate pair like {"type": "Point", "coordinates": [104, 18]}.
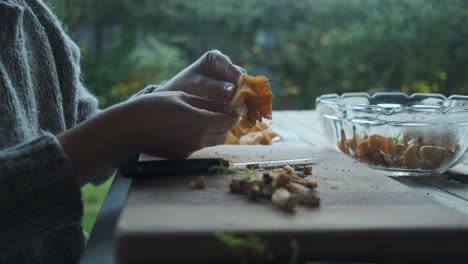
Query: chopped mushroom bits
{"type": "Point", "coordinates": [281, 185]}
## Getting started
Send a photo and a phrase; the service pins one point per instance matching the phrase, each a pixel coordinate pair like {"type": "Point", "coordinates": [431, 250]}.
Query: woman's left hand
{"type": "Point", "coordinates": [212, 76]}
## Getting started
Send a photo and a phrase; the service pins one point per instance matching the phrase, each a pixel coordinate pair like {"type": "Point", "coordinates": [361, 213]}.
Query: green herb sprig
{"type": "Point", "coordinates": [251, 246]}
{"type": "Point", "coordinates": [224, 170]}
{"type": "Point", "coordinates": [397, 138]}
{"type": "Point", "coordinates": [245, 247]}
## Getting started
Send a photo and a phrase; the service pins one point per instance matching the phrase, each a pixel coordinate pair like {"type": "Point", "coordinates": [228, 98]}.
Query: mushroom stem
{"type": "Point", "coordinates": [309, 183]}
{"type": "Point", "coordinates": [304, 194]}
{"type": "Point", "coordinates": [283, 199]}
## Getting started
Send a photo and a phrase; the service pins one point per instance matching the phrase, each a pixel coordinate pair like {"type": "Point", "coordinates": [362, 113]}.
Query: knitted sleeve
{"type": "Point", "coordinates": [74, 102]}
{"type": "Point", "coordinates": [38, 193]}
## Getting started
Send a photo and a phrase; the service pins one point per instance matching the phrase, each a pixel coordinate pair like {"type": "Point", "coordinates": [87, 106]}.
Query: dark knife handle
{"type": "Point", "coordinates": [159, 168]}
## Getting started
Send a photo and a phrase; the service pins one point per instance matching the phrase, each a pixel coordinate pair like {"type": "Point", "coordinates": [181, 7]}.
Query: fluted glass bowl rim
{"type": "Point", "coordinates": [336, 101]}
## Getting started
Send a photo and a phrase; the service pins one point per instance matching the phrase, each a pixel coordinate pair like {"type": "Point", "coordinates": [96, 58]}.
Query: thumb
{"type": "Point", "coordinates": [218, 91]}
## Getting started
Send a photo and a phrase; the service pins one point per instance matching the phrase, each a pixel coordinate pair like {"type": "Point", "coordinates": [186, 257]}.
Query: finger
{"type": "Point", "coordinates": [220, 123]}
{"type": "Point", "coordinates": [213, 89]}
{"type": "Point", "coordinates": [220, 67]}
{"type": "Point", "coordinates": [199, 103]}
{"type": "Point", "coordinates": [242, 70]}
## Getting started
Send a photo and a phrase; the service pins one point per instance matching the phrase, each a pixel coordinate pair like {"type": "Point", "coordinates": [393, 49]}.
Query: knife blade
{"type": "Point", "coordinates": [273, 163]}
{"type": "Point", "coordinates": [162, 167]}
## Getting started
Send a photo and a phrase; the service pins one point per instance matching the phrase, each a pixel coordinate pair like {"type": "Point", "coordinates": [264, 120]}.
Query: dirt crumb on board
{"type": "Point", "coordinates": [198, 184]}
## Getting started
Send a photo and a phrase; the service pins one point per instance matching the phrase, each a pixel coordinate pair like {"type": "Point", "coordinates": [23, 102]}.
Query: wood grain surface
{"type": "Point", "coordinates": [363, 215]}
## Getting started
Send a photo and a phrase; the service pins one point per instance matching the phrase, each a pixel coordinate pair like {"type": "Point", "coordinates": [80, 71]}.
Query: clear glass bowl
{"type": "Point", "coordinates": [401, 135]}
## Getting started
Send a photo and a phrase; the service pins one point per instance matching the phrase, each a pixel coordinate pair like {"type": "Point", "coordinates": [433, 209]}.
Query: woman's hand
{"type": "Point", "coordinates": [175, 124]}
{"type": "Point", "coordinates": [165, 124]}
{"type": "Point", "coordinates": [212, 76]}
{"type": "Point", "coordinates": [184, 116]}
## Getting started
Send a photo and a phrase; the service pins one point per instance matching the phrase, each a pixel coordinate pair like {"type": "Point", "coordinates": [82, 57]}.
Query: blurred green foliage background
{"type": "Point", "coordinates": [307, 47]}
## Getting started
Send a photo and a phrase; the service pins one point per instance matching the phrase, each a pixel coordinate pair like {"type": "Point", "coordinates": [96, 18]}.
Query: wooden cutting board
{"type": "Point", "coordinates": [363, 216]}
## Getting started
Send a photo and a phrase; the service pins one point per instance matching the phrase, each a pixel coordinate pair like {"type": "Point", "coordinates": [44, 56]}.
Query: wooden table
{"type": "Point", "coordinates": [304, 124]}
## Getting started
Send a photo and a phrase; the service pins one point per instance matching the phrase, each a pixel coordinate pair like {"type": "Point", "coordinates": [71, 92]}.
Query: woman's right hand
{"type": "Point", "coordinates": [175, 124]}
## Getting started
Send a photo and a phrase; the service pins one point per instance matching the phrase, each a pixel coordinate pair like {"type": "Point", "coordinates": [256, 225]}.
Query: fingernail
{"type": "Point", "coordinates": [228, 93]}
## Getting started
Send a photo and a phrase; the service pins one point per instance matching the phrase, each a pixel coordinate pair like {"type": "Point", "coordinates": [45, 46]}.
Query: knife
{"type": "Point", "coordinates": [162, 167]}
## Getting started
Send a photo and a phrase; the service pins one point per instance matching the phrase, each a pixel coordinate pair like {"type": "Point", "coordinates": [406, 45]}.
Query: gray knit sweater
{"type": "Point", "coordinates": [41, 95]}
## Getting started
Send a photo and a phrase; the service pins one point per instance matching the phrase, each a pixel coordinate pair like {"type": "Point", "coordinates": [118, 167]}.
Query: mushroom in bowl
{"type": "Point", "coordinates": [401, 135]}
